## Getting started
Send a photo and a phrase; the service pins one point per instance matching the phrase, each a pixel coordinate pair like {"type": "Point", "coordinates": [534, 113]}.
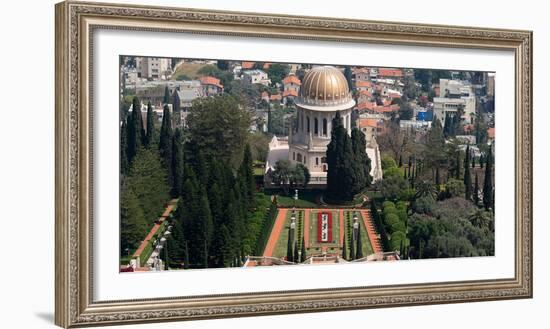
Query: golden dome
{"type": "Point", "coordinates": [324, 86]}
{"type": "Point", "coordinates": [324, 83]}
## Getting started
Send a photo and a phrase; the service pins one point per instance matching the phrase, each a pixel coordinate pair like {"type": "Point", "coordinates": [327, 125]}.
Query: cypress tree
{"type": "Point", "coordinates": [457, 162]}
{"type": "Point", "coordinates": [400, 160]}
{"type": "Point", "coordinates": [165, 144]}
{"type": "Point", "coordinates": [166, 98]}
{"type": "Point", "coordinates": [473, 162]}
{"type": "Point", "coordinates": [344, 249]}
{"type": "Point", "coordinates": [481, 160]}
{"type": "Point", "coordinates": [135, 130]}
{"type": "Point", "coordinates": [204, 223]}
{"type": "Point", "coordinates": [437, 178]}
{"type": "Point", "coordinates": [296, 257]}
{"type": "Point", "coordinates": [348, 74]}
{"type": "Point", "coordinates": [150, 137]}
{"type": "Point", "coordinates": [289, 251]}
{"type": "Point", "coordinates": [124, 166]}
{"type": "Point", "coordinates": [303, 255]}
{"type": "Point", "coordinates": [476, 191]}
{"type": "Point", "coordinates": [467, 177]}
{"type": "Point", "coordinates": [359, 251]}
{"type": "Point", "coordinates": [352, 246]}
{"type": "Point", "coordinates": [488, 182]}
{"type": "Point", "coordinates": [247, 175]}
{"type": "Point", "coordinates": [361, 162]}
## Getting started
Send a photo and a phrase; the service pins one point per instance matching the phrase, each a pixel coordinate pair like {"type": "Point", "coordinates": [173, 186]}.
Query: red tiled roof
{"type": "Point", "coordinates": [491, 133]}
{"type": "Point", "coordinates": [276, 97]}
{"type": "Point", "coordinates": [247, 65]}
{"type": "Point", "coordinates": [365, 93]}
{"type": "Point", "coordinates": [386, 109]}
{"type": "Point", "coordinates": [368, 122]}
{"type": "Point", "coordinates": [361, 70]}
{"type": "Point", "coordinates": [290, 92]}
{"type": "Point", "coordinates": [292, 79]}
{"type": "Point", "coordinates": [208, 80]}
{"type": "Point", "coordinates": [266, 66]}
{"type": "Point", "coordinates": [366, 106]}
{"type": "Point", "coordinates": [390, 73]}
{"type": "Point", "coordinates": [362, 83]}
{"type": "Point", "coordinates": [394, 95]}
{"type": "Point", "coordinates": [386, 102]}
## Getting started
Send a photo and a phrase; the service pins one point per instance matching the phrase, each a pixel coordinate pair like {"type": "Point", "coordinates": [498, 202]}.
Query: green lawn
{"type": "Point", "coordinates": [367, 247]}
{"type": "Point", "coordinates": [282, 243]}
{"type": "Point", "coordinates": [306, 198]}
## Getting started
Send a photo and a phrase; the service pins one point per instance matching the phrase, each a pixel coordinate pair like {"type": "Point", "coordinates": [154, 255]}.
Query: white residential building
{"type": "Point", "coordinates": [256, 77]}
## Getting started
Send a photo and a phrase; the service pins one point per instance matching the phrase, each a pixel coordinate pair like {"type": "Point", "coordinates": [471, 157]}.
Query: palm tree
{"type": "Point", "coordinates": [480, 218]}
{"type": "Point", "coordinates": [425, 189]}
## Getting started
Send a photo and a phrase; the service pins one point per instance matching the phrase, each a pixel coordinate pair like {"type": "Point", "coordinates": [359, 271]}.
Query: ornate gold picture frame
{"type": "Point", "coordinates": [75, 25]}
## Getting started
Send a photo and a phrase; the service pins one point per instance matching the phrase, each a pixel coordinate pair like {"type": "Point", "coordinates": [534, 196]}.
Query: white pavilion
{"type": "Point", "coordinates": [324, 92]}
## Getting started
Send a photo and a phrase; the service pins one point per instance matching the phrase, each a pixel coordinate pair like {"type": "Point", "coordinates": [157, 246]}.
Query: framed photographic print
{"type": "Point", "coordinates": [249, 164]}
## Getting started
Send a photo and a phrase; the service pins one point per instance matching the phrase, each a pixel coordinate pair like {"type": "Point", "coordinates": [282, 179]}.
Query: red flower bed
{"type": "Point", "coordinates": [324, 227]}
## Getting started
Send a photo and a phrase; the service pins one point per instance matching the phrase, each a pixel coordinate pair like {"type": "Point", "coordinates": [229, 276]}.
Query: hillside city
{"type": "Point", "coordinates": [244, 164]}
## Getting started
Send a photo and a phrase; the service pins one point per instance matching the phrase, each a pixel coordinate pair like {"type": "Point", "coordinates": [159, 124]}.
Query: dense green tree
{"type": "Point", "coordinates": [277, 72]}
{"type": "Point", "coordinates": [133, 223]}
{"type": "Point", "coordinates": [282, 174]}
{"type": "Point", "coordinates": [392, 188]}
{"type": "Point", "coordinates": [218, 126]}
{"type": "Point", "coordinates": [299, 176]}
{"type": "Point", "coordinates": [150, 138]}
{"type": "Point", "coordinates": [176, 241]}
{"type": "Point", "coordinates": [488, 182]}
{"type": "Point", "coordinates": [434, 152]}
{"type": "Point", "coordinates": [222, 65]}
{"type": "Point", "coordinates": [467, 177]}
{"type": "Point", "coordinates": [147, 179]}
{"type": "Point", "coordinates": [454, 188]}
{"type": "Point", "coordinates": [222, 249]}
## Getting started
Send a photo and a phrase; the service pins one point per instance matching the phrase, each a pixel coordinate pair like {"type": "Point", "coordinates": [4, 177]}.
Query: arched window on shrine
{"type": "Point", "coordinates": [316, 126]}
